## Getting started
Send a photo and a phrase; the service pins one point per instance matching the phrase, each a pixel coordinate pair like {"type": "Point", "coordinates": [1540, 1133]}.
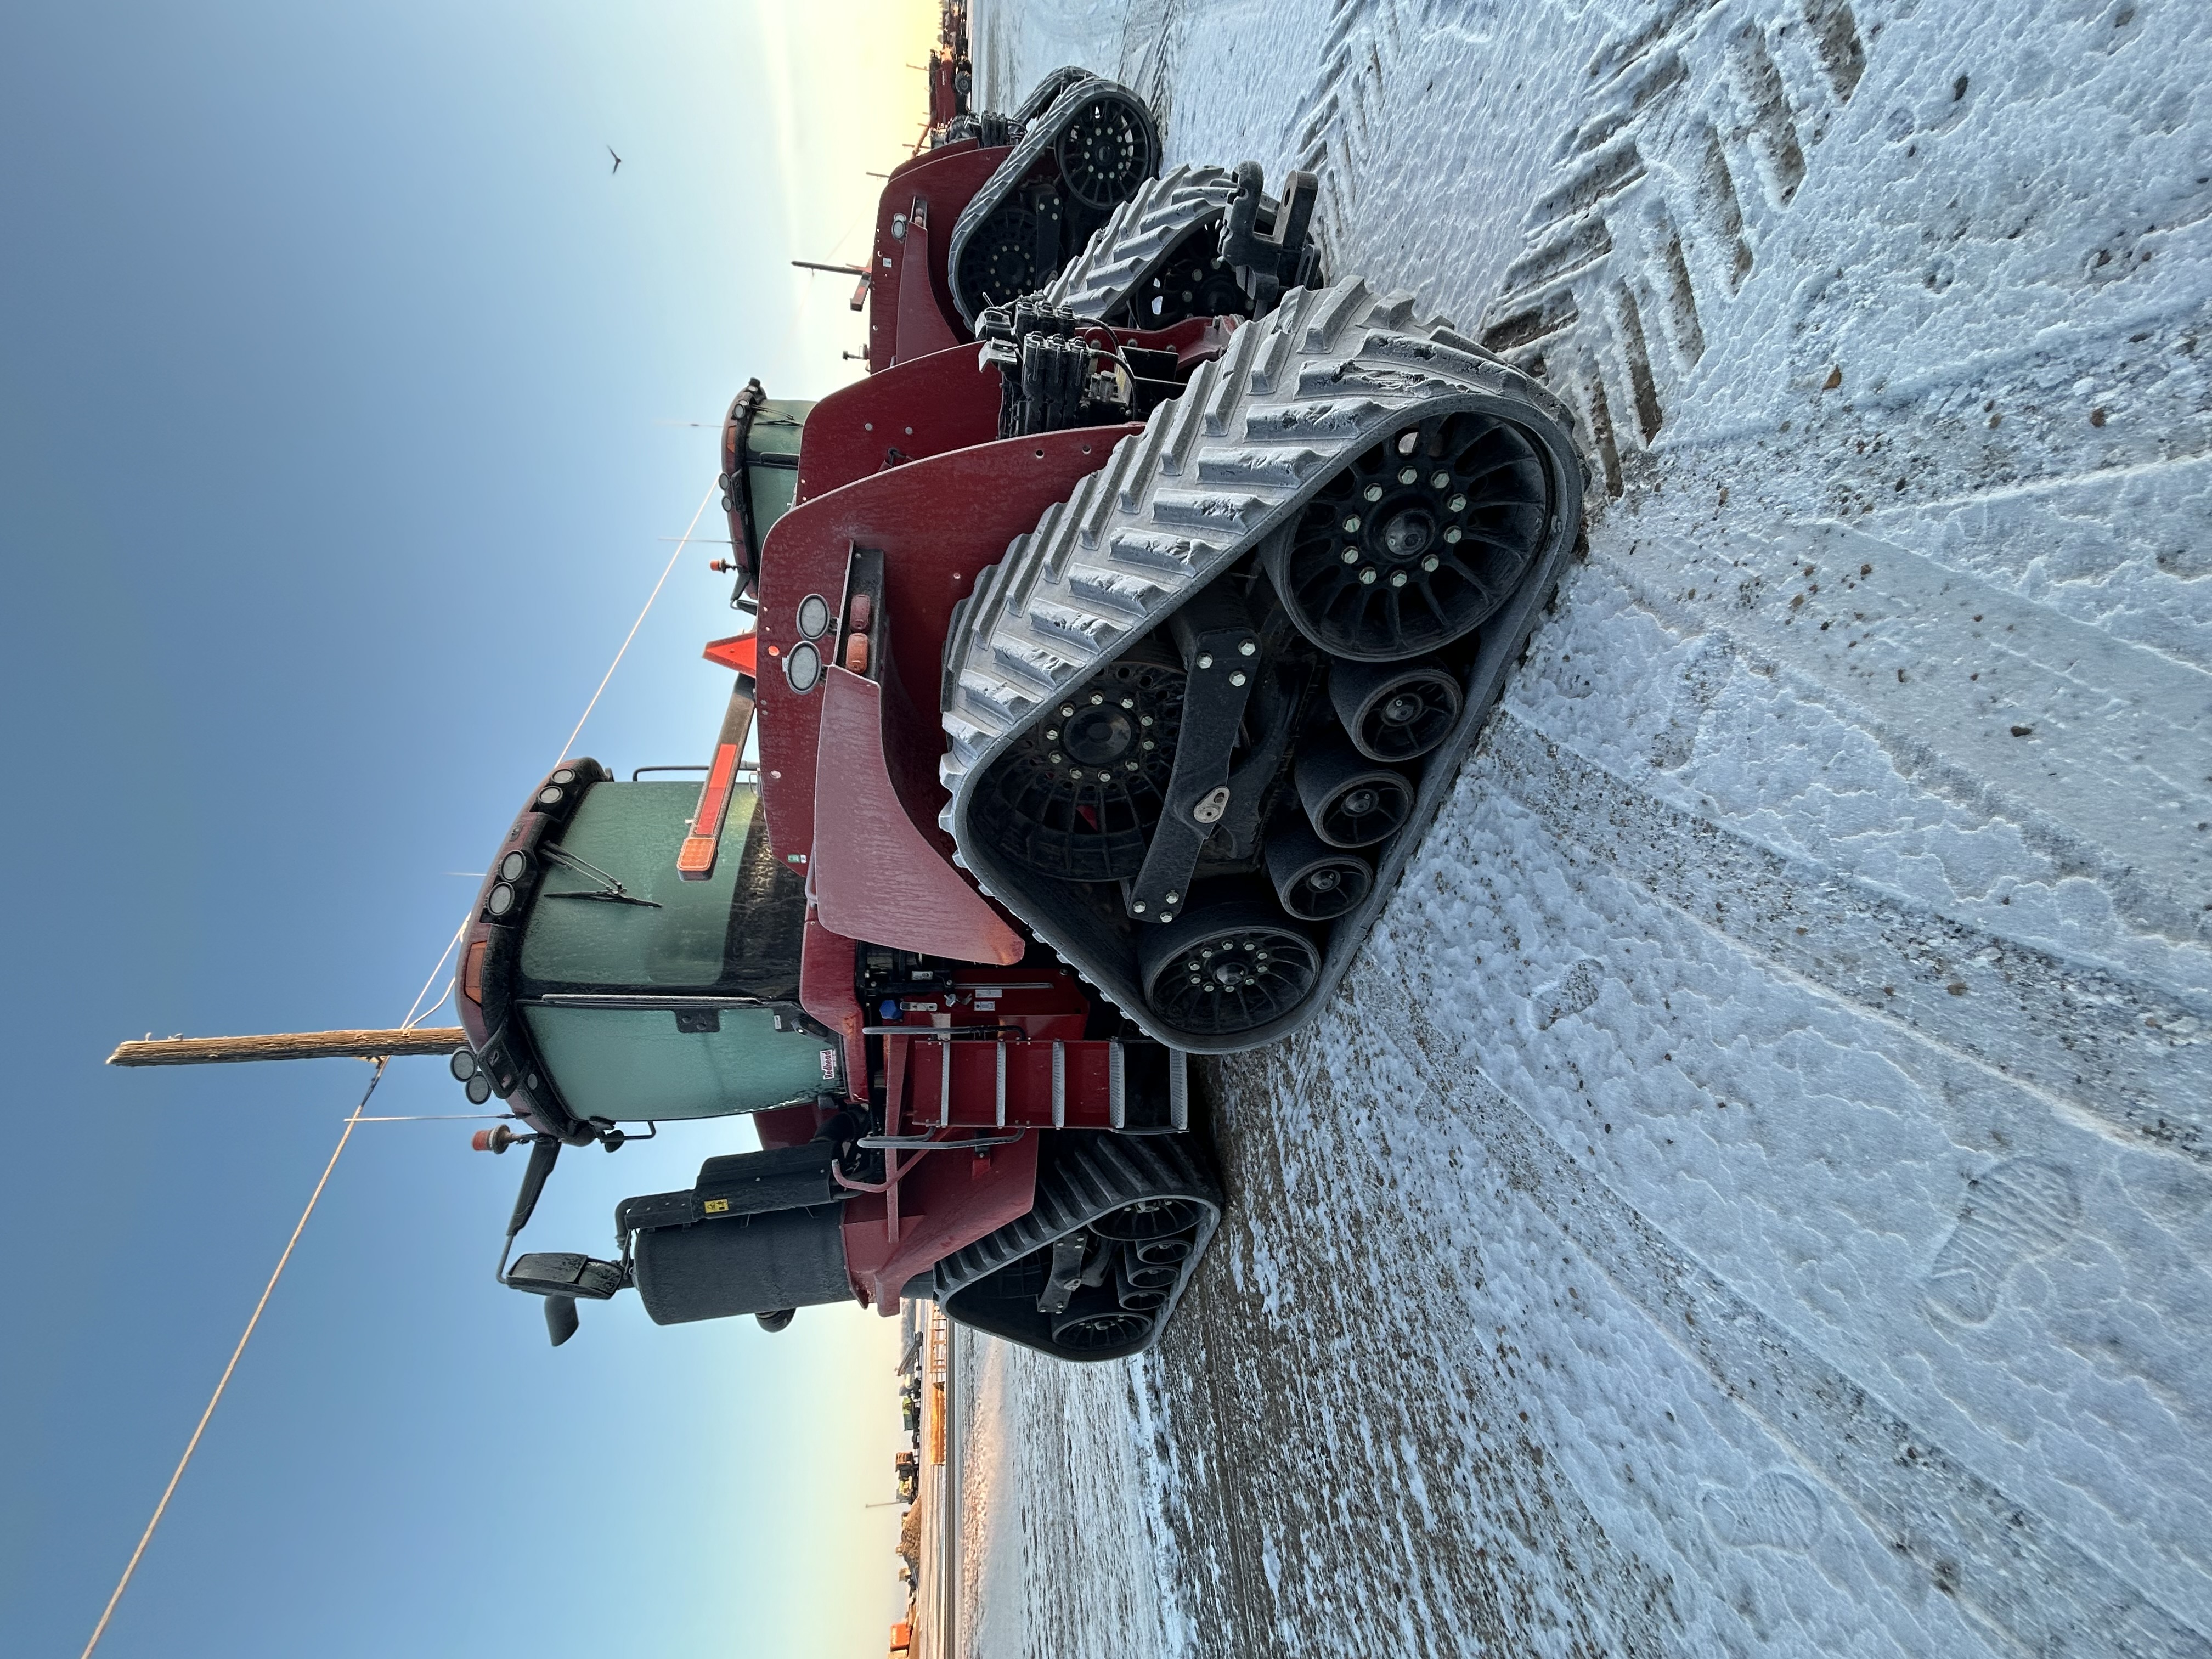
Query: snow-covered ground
{"type": "Point", "coordinates": [1752, 1196]}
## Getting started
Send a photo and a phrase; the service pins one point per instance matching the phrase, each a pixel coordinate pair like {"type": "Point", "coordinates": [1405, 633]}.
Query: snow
{"type": "Point", "coordinates": [1752, 1195]}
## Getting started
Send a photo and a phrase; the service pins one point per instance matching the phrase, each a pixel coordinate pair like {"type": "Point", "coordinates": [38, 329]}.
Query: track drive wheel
{"type": "Point", "coordinates": [1418, 541]}
{"type": "Point", "coordinates": [1228, 966]}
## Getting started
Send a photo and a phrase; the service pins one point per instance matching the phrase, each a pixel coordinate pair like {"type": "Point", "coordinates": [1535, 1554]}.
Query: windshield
{"type": "Point", "coordinates": [628, 1065]}
{"type": "Point", "coordinates": [648, 996]}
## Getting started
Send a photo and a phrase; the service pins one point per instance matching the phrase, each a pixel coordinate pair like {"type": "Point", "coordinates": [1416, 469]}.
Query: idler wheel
{"type": "Point", "coordinates": [1349, 799]}
{"type": "Point", "coordinates": [1315, 881]}
{"type": "Point", "coordinates": [999, 264]}
{"type": "Point", "coordinates": [1225, 966]}
{"type": "Point", "coordinates": [1417, 541]}
{"type": "Point", "coordinates": [1077, 796]}
{"type": "Point", "coordinates": [1194, 283]}
{"type": "Point", "coordinates": [1106, 154]}
{"type": "Point", "coordinates": [1395, 711]}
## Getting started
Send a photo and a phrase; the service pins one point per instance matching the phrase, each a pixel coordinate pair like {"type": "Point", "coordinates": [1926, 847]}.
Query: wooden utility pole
{"type": "Point", "coordinates": [290, 1045]}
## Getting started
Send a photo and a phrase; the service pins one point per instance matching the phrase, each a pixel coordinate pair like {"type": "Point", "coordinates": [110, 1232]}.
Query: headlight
{"type": "Point", "coordinates": [803, 667]}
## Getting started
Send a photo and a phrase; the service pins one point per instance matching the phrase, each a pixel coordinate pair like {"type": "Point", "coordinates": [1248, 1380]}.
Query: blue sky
{"type": "Point", "coordinates": [343, 396]}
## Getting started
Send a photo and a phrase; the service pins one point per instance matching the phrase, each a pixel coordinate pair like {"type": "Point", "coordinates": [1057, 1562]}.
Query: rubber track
{"type": "Point", "coordinates": [1299, 394]}
{"type": "Point", "coordinates": [1138, 239]}
{"type": "Point", "coordinates": [1089, 1175]}
{"type": "Point", "coordinates": [1046, 93]}
{"type": "Point", "coordinates": [1038, 138]}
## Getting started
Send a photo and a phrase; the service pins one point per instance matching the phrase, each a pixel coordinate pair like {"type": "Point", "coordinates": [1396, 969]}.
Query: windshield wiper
{"type": "Point", "coordinates": [609, 891]}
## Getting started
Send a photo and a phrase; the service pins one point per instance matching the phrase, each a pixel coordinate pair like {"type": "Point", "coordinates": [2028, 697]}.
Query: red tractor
{"type": "Point", "coordinates": [1003, 206]}
{"type": "Point", "coordinates": [1103, 674]}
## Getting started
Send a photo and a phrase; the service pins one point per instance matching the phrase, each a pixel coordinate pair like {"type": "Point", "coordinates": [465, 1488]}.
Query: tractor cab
{"type": "Point", "coordinates": [602, 986]}
{"type": "Point", "coordinates": [618, 973]}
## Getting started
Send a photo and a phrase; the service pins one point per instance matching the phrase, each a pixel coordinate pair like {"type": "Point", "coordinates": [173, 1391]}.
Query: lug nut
{"type": "Point", "coordinates": [1206, 659]}
{"type": "Point", "coordinates": [1453, 534]}
{"type": "Point", "coordinates": [1128, 702]}
{"type": "Point", "coordinates": [1438, 479]}
{"type": "Point", "coordinates": [1351, 521]}
{"type": "Point", "coordinates": [1373, 492]}
{"type": "Point", "coordinates": [1431, 562]}
{"type": "Point", "coordinates": [1237, 678]}
{"type": "Point", "coordinates": [1056, 758]}
{"type": "Point", "coordinates": [1397, 579]}
{"type": "Point", "coordinates": [1407, 475]}
{"type": "Point", "coordinates": [1351, 556]}
{"type": "Point", "coordinates": [1067, 711]}
{"type": "Point", "coordinates": [1247, 649]}
{"type": "Point", "coordinates": [1457, 504]}
{"type": "Point", "coordinates": [1367, 577]}
{"type": "Point", "coordinates": [1097, 697]}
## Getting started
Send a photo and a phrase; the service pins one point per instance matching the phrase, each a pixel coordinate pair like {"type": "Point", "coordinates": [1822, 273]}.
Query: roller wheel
{"type": "Point", "coordinates": [1395, 711]}
{"type": "Point", "coordinates": [1105, 154]}
{"type": "Point", "coordinates": [1315, 881]}
{"type": "Point", "coordinates": [1227, 966]}
{"type": "Point", "coordinates": [1088, 1331]}
{"type": "Point", "coordinates": [1349, 799]}
{"type": "Point", "coordinates": [1077, 797]}
{"type": "Point", "coordinates": [1148, 1219]}
{"type": "Point", "coordinates": [1418, 541]}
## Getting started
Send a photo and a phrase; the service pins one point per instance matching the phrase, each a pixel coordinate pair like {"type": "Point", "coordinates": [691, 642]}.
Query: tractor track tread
{"type": "Point", "coordinates": [1088, 1174]}
{"type": "Point", "coordinates": [1211, 476]}
{"type": "Point", "coordinates": [1041, 133]}
{"type": "Point", "coordinates": [1143, 232]}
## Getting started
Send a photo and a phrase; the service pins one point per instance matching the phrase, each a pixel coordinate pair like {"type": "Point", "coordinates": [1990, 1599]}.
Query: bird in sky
{"type": "Point", "coordinates": [617, 167]}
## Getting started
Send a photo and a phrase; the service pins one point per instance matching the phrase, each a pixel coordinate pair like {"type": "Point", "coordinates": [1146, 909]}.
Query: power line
{"type": "Point", "coordinates": [639, 624]}
{"type": "Point", "coordinates": [216, 1399]}
{"type": "Point", "coordinates": [415, 1012]}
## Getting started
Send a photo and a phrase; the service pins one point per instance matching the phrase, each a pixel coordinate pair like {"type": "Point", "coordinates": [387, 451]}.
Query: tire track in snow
{"type": "Point", "coordinates": [1275, 1357]}
{"type": "Point", "coordinates": [2052, 719]}
{"type": "Point", "coordinates": [1664, 197]}
{"type": "Point", "coordinates": [2092, 1041]}
{"type": "Point", "coordinates": [2008, 1567]}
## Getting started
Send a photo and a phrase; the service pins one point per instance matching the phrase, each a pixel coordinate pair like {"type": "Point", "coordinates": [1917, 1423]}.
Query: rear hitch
{"type": "Point", "coordinates": [1267, 263]}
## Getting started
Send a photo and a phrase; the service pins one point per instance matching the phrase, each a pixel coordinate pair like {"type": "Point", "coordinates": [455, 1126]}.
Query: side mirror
{"type": "Point", "coordinates": [561, 1273]}
{"type": "Point", "coordinates": [559, 1318]}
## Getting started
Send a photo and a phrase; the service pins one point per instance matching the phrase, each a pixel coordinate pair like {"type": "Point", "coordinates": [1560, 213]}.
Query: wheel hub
{"type": "Point", "coordinates": [1100, 736]}
{"type": "Point", "coordinates": [1407, 532]}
